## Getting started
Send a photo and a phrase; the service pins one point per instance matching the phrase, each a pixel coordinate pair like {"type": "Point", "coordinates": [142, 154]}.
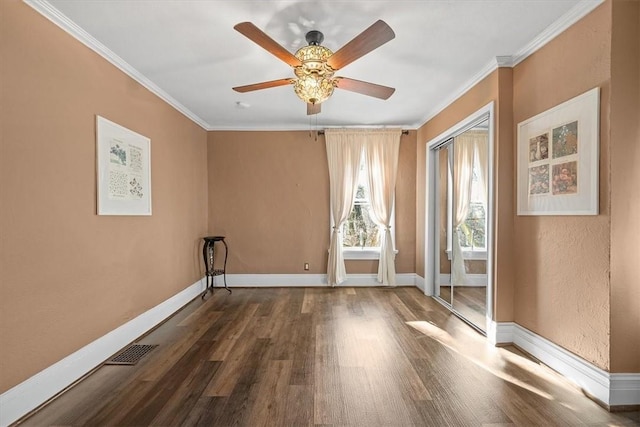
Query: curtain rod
{"type": "Point", "coordinates": [404, 132]}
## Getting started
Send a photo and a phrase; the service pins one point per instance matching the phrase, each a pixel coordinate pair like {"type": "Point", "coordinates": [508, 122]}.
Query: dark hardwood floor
{"type": "Point", "coordinates": [323, 357]}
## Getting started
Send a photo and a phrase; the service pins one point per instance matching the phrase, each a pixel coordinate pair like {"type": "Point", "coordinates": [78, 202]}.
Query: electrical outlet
{"type": "Point", "coordinates": [306, 266]}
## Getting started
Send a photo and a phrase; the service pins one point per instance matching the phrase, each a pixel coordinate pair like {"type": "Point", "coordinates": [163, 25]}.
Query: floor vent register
{"type": "Point", "coordinates": [131, 355]}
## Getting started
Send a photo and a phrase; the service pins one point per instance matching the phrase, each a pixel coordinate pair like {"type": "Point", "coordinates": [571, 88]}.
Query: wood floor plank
{"type": "Point", "coordinates": [354, 383]}
{"type": "Point", "coordinates": [233, 332]}
{"type": "Point", "coordinates": [226, 379]}
{"type": "Point", "coordinates": [177, 409]}
{"type": "Point", "coordinates": [111, 412]}
{"type": "Point", "coordinates": [299, 404]}
{"type": "Point", "coordinates": [206, 412]}
{"type": "Point", "coordinates": [327, 405]}
{"type": "Point", "coordinates": [239, 405]}
{"type": "Point", "coordinates": [324, 356]}
{"type": "Point", "coordinates": [157, 398]}
{"type": "Point", "coordinates": [304, 355]}
{"type": "Point", "coordinates": [308, 301]}
{"type": "Point", "coordinates": [267, 411]}
{"type": "Point", "coordinates": [176, 350]}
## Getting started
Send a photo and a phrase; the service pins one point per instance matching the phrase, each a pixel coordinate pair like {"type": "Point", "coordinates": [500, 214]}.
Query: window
{"type": "Point", "coordinates": [473, 228]}
{"type": "Point", "coordinates": [360, 234]}
{"type": "Point", "coordinates": [359, 230]}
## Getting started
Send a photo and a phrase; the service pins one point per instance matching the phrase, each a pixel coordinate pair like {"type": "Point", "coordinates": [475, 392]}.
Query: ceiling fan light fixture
{"type": "Point", "coordinates": [314, 88]}
{"type": "Point", "coordinates": [314, 57]}
{"type": "Point", "coordinates": [314, 65]}
{"type": "Point", "coordinates": [314, 83]}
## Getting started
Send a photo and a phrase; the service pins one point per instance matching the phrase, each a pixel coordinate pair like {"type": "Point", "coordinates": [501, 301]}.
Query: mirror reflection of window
{"type": "Point", "coordinates": [474, 226]}
{"type": "Point", "coordinates": [461, 176]}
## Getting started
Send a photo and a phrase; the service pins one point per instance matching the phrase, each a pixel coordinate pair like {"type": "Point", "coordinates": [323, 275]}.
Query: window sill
{"type": "Point", "coordinates": [362, 253]}
{"type": "Point", "coordinates": [480, 254]}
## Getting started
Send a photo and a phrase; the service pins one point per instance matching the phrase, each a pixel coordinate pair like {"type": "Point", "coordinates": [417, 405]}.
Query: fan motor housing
{"type": "Point", "coordinates": [314, 37]}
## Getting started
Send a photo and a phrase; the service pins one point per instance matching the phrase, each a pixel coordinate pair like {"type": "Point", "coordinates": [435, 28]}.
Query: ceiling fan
{"type": "Point", "coordinates": [314, 65]}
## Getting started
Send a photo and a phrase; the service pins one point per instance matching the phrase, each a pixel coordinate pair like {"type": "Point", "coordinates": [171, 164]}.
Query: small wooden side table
{"type": "Point", "coordinates": [208, 254]}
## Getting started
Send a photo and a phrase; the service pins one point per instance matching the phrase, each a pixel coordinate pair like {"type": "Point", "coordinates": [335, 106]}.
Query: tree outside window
{"type": "Point", "coordinates": [359, 230]}
{"type": "Point", "coordinates": [473, 228]}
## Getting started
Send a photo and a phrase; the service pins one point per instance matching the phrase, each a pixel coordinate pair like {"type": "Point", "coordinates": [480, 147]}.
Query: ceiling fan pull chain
{"type": "Point", "coordinates": [316, 135]}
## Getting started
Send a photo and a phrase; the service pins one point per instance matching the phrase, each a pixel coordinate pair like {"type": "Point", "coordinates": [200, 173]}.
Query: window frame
{"type": "Point", "coordinates": [371, 252]}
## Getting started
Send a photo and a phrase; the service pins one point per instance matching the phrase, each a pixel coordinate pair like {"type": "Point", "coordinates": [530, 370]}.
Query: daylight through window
{"type": "Point", "coordinates": [359, 230]}
{"type": "Point", "coordinates": [474, 226]}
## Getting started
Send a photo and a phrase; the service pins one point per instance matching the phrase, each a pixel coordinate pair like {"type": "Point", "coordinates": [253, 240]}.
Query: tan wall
{"type": "Point", "coordinates": [406, 205]}
{"type": "Point", "coordinates": [562, 287]}
{"type": "Point", "coordinates": [69, 276]}
{"type": "Point", "coordinates": [270, 196]}
{"type": "Point", "coordinates": [504, 200]}
{"type": "Point", "coordinates": [625, 197]}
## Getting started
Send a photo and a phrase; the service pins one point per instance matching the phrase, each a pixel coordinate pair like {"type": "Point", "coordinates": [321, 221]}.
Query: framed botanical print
{"type": "Point", "coordinates": [558, 155]}
{"type": "Point", "coordinates": [124, 170]}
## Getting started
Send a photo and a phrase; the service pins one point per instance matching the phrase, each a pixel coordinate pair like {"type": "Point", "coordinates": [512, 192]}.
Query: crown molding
{"type": "Point", "coordinates": [54, 15]}
{"type": "Point", "coordinates": [302, 128]}
{"type": "Point", "coordinates": [490, 67]}
{"type": "Point", "coordinates": [504, 61]}
{"type": "Point", "coordinates": [576, 13]}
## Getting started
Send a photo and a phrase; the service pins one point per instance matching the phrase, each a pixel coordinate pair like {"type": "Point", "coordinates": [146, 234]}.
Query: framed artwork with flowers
{"type": "Point", "coordinates": [558, 159]}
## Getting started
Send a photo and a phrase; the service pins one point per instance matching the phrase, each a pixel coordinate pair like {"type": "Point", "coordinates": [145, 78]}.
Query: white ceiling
{"type": "Point", "coordinates": [188, 52]}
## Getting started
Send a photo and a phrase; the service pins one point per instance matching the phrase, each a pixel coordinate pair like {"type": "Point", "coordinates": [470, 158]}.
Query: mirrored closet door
{"type": "Point", "coordinates": [461, 172]}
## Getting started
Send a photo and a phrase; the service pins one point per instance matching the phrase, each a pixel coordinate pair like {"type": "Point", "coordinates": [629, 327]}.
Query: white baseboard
{"type": "Point", "coordinates": [422, 284]}
{"type": "Point", "coordinates": [624, 389]}
{"type": "Point", "coordinates": [500, 333]}
{"type": "Point", "coordinates": [307, 280]}
{"type": "Point", "coordinates": [610, 389]}
{"type": "Point", "coordinates": [28, 395]}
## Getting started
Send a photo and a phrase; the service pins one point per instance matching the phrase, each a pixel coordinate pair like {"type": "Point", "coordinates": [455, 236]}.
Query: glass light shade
{"type": "Point", "coordinates": [314, 83]}
{"type": "Point", "coordinates": [314, 58]}
{"type": "Point", "coordinates": [313, 88]}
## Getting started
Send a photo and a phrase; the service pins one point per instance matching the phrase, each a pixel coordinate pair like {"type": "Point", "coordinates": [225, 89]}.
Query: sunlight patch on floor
{"type": "Point", "coordinates": [443, 337]}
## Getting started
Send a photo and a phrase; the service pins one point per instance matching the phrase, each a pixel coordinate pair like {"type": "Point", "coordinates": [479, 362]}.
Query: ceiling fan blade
{"type": "Point", "coordinates": [258, 36]}
{"type": "Point", "coordinates": [313, 109]}
{"type": "Point", "coordinates": [365, 88]}
{"type": "Point", "coordinates": [373, 37]}
{"type": "Point", "coordinates": [263, 85]}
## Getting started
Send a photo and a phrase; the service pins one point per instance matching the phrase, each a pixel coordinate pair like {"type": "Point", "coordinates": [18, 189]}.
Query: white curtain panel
{"type": "Point", "coordinates": [463, 151]}
{"type": "Point", "coordinates": [344, 148]}
{"type": "Point", "coordinates": [482, 158]}
{"type": "Point", "coordinates": [381, 151]}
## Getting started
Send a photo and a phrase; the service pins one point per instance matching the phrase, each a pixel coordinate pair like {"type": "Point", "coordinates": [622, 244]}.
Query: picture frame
{"type": "Point", "coordinates": [123, 170]}
{"type": "Point", "coordinates": [558, 159]}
